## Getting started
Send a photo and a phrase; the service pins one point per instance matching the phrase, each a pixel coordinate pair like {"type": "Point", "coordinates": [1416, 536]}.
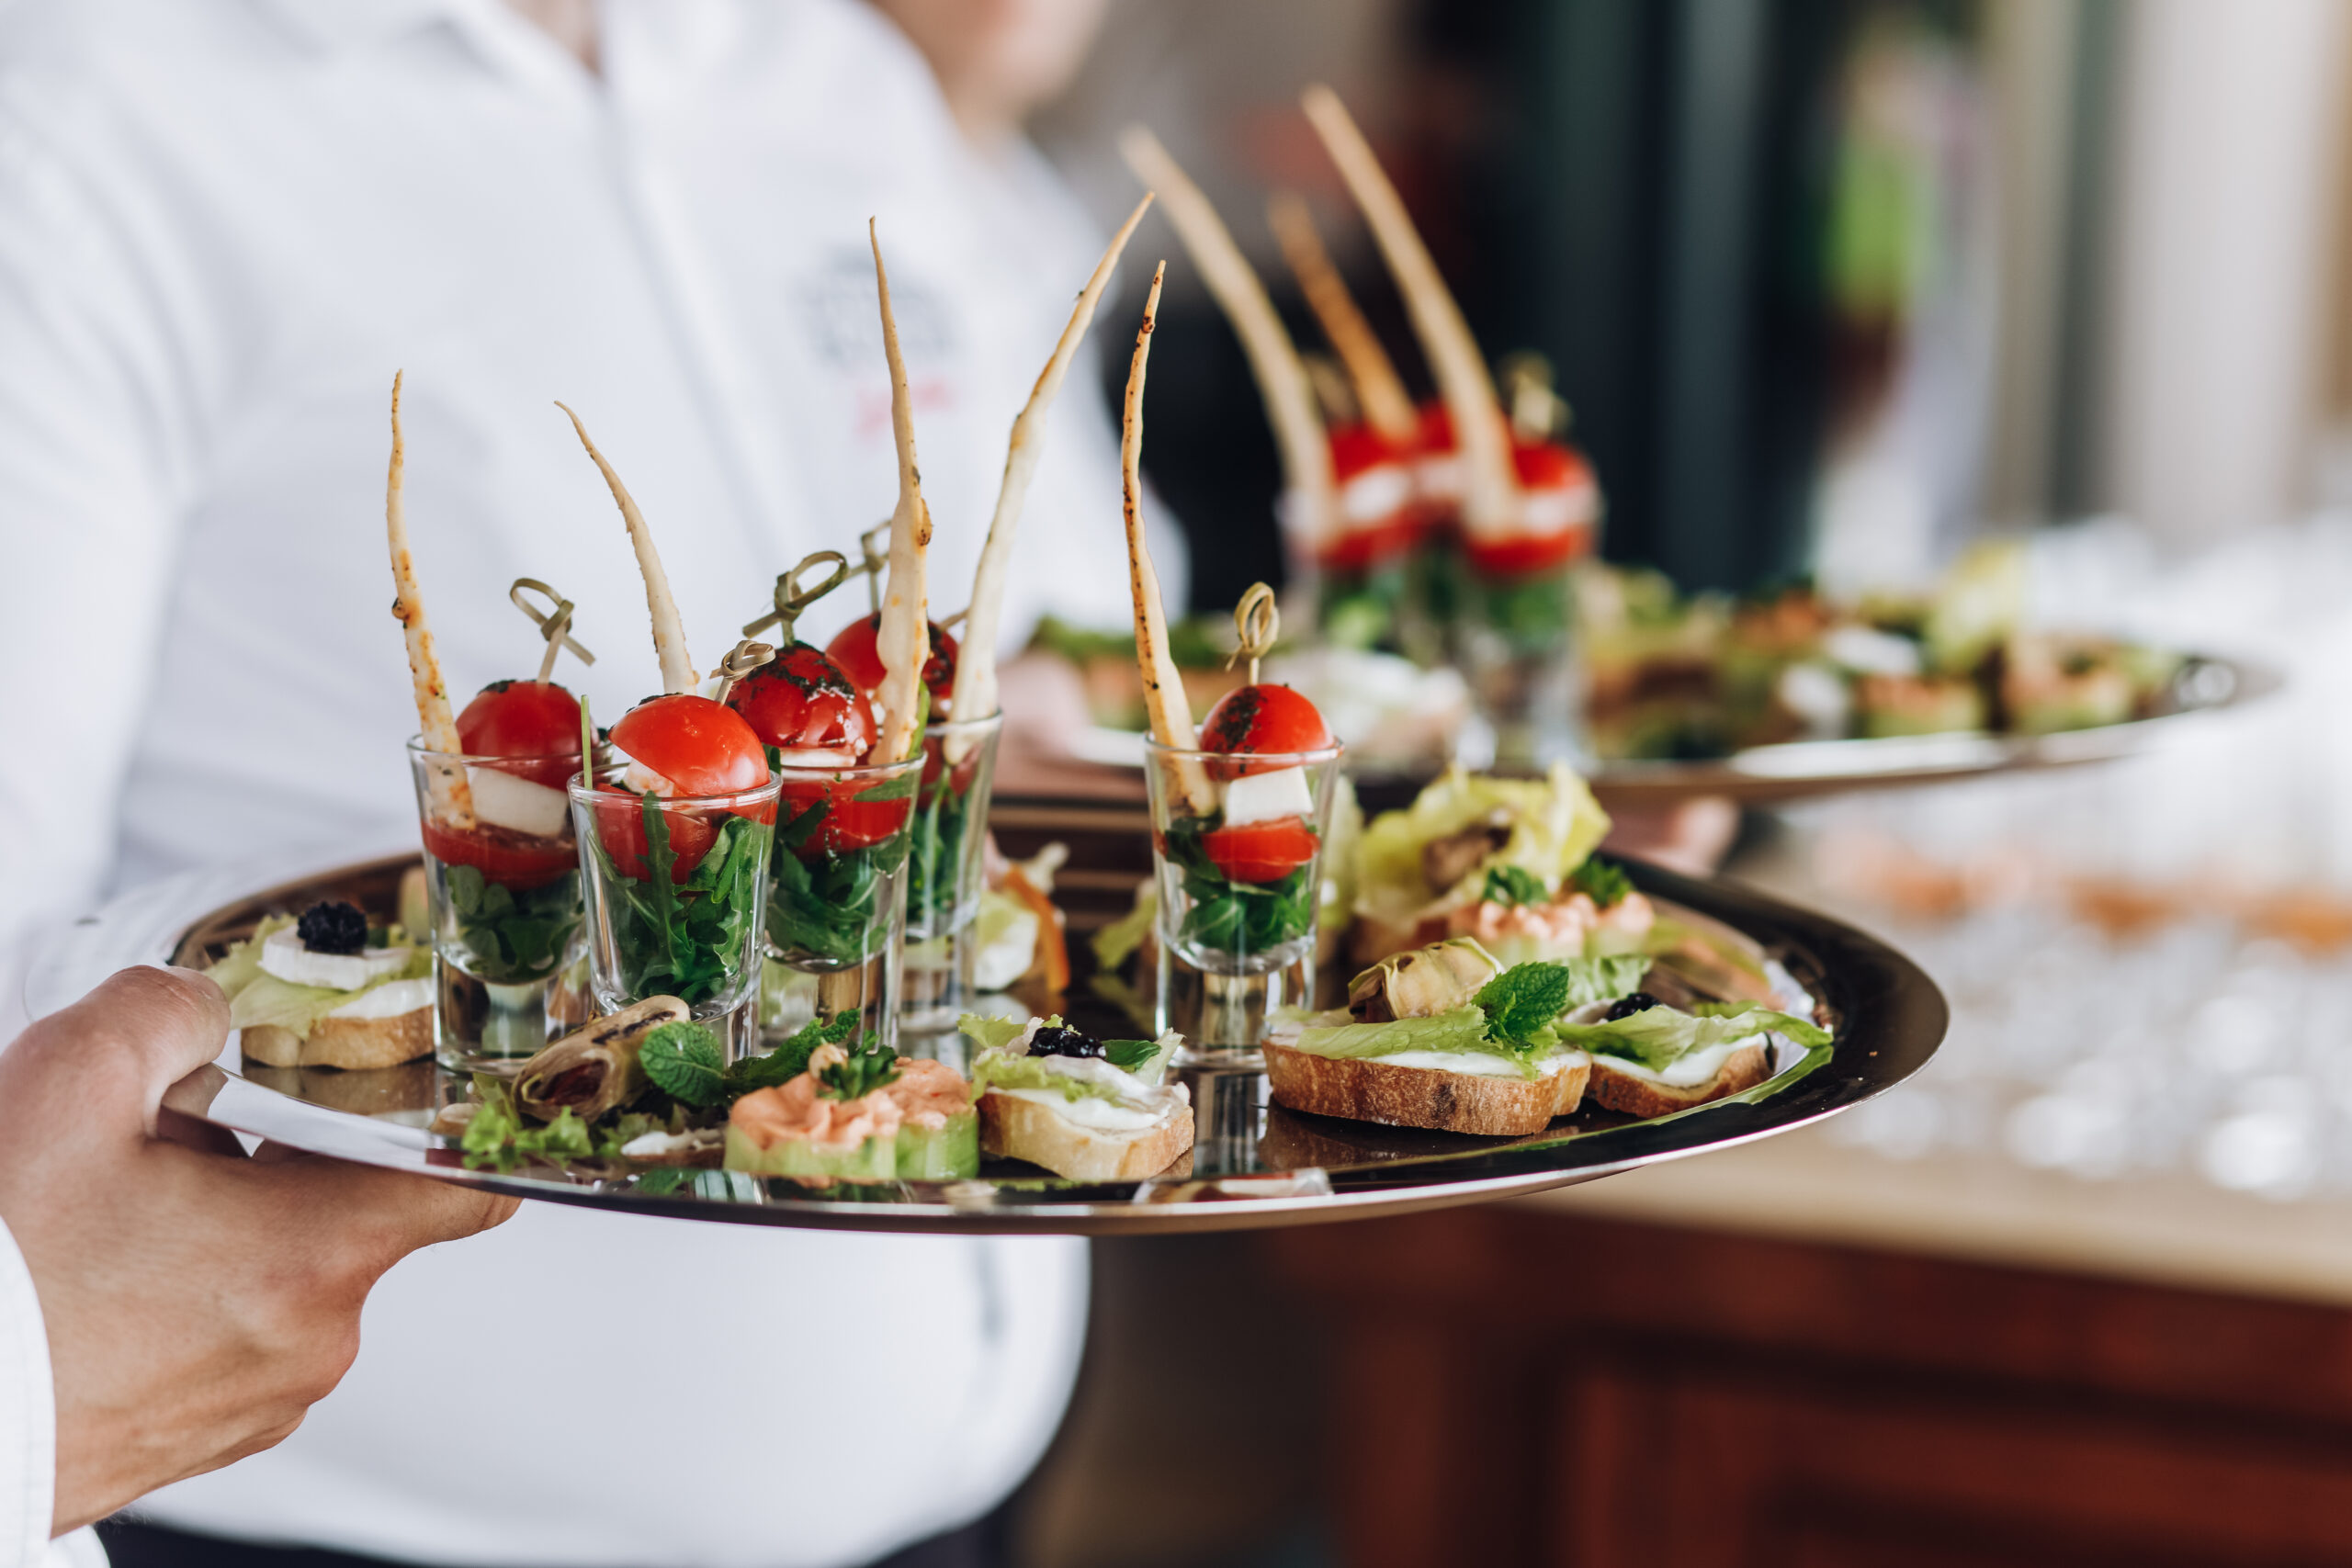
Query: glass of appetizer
{"type": "Point", "coordinates": [1238, 830]}
{"type": "Point", "coordinates": [1516, 638]}
{"type": "Point", "coordinates": [502, 874]}
{"type": "Point", "coordinates": [674, 852]}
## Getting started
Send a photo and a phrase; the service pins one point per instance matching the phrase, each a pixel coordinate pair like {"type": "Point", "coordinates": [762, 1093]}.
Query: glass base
{"type": "Point", "coordinates": [479, 1027]}
{"type": "Point", "coordinates": [791, 997]}
{"type": "Point", "coordinates": [1223, 1017]}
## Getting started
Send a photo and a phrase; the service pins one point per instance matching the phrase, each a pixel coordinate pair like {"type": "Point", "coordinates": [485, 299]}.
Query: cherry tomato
{"type": "Point", "coordinates": [802, 702]}
{"type": "Point", "coordinates": [853, 648]}
{"type": "Point", "coordinates": [1525, 557]}
{"type": "Point", "coordinates": [849, 822]}
{"type": "Point", "coordinates": [1260, 851]}
{"type": "Point", "coordinates": [523, 718]}
{"type": "Point", "coordinates": [1262, 720]}
{"type": "Point", "coordinates": [504, 858]}
{"type": "Point", "coordinates": [700, 747]}
{"type": "Point", "coordinates": [620, 826]}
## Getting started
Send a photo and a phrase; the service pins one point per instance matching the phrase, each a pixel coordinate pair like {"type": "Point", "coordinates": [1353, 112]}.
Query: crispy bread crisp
{"type": "Point", "coordinates": [1743, 1069]}
{"type": "Point", "coordinates": [352, 1043]}
{"type": "Point", "coordinates": [1369, 1089]}
{"type": "Point", "coordinates": [1013, 1128]}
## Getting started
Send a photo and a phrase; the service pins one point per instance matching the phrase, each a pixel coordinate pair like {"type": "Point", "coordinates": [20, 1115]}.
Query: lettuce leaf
{"type": "Point", "coordinates": [991, 1033]}
{"type": "Point", "coordinates": [241, 966]}
{"type": "Point", "coordinates": [1117, 942]}
{"type": "Point", "coordinates": [266, 1000]}
{"type": "Point", "coordinates": [1464, 1029]}
{"type": "Point", "coordinates": [1555, 823]}
{"type": "Point", "coordinates": [1658, 1037]}
{"type": "Point", "coordinates": [1002, 1069]}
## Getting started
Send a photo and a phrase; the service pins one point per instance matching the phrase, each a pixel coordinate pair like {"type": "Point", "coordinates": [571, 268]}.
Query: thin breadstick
{"type": "Point", "coordinates": [1163, 685]}
{"type": "Point", "coordinates": [669, 631]}
{"type": "Point", "coordinates": [903, 640]}
{"type": "Point", "coordinates": [975, 694]}
{"type": "Point", "coordinates": [1490, 485]}
{"type": "Point", "coordinates": [1273, 359]}
{"type": "Point", "coordinates": [1380, 392]}
{"type": "Point", "coordinates": [452, 801]}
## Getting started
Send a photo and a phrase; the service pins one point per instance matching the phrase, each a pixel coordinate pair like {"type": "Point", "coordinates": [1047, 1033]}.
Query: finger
{"type": "Point", "coordinates": [387, 1212]}
{"type": "Point", "coordinates": [111, 1055]}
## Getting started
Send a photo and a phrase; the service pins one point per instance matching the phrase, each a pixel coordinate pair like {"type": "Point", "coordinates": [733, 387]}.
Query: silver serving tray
{"type": "Point", "coordinates": [1254, 1165]}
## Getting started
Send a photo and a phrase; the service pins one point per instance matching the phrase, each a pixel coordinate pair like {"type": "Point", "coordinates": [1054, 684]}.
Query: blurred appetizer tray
{"type": "Point", "coordinates": [2205, 685]}
{"type": "Point", "coordinates": [1254, 1165]}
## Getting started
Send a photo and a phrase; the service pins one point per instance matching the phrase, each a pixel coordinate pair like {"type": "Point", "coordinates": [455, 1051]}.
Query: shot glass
{"type": "Point", "coordinates": [1516, 646]}
{"type": "Point", "coordinates": [837, 896]}
{"type": "Point", "coordinates": [502, 880]}
{"type": "Point", "coordinates": [677, 899]}
{"type": "Point", "coordinates": [945, 871]}
{"type": "Point", "coordinates": [1237, 900]}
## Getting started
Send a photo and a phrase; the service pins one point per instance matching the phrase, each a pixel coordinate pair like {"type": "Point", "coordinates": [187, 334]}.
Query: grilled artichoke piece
{"type": "Point", "coordinates": [1422, 983]}
{"type": "Point", "coordinates": [593, 1070]}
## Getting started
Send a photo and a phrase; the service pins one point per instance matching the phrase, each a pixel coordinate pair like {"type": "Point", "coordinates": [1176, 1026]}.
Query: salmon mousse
{"type": "Point", "coordinates": [867, 1115]}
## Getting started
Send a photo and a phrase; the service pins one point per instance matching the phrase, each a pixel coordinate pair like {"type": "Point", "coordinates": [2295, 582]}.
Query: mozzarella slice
{"type": "Point", "coordinates": [816, 759]}
{"type": "Point", "coordinates": [388, 1000]}
{"type": "Point", "coordinates": [1268, 798]}
{"type": "Point", "coordinates": [285, 956]}
{"type": "Point", "coordinates": [503, 800]}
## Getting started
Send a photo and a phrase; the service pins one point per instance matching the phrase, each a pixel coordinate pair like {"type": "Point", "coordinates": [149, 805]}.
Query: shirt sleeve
{"type": "Point", "coordinates": [86, 512]}
{"type": "Point", "coordinates": [27, 1417]}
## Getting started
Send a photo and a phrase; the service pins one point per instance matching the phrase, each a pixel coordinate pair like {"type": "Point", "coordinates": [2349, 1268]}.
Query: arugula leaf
{"type": "Point", "coordinates": [1238, 918]}
{"type": "Point", "coordinates": [1514, 885]}
{"type": "Point", "coordinates": [510, 937]}
{"type": "Point", "coordinates": [790, 1058]}
{"type": "Point", "coordinates": [1520, 1003]}
{"type": "Point", "coordinates": [687, 939]}
{"type": "Point", "coordinates": [1605, 881]}
{"type": "Point", "coordinates": [684, 1062]}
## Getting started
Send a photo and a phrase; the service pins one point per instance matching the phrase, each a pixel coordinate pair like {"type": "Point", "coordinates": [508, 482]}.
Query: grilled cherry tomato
{"type": "Point", "coordinates": [1559, 506]}
{"type": "Point", "coordinates": [1264, 719]}
{"type": "Point", "coordinates": [1260, 851]}
{"type": "Point", "coordinates": [853, 648]}
{"type": "Point", "coordinates": [700, 747]}
{"type": "Point", "coordinates": [849, 822]}
{"type": "Point", "coordinates": [802, 702]}
{"type": "Point", "coordinates": [1380, 514]}
{"type": "Point", "coordinates": [524, 719]}
{"type": "Point", "coordinates": [506, 858]}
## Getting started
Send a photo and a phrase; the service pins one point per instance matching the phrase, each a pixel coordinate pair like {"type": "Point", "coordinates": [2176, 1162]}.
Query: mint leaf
{"type": "Point", "coordinates": [1520, 1003]}
{"type": "Point", "coordinates": [1605, 881]}
{"type": "Point", "coordinates": [684, 1062]}
{"type": "Point", "coordinates": [1514, 885]}
{"type": "Point", "coordinates": [789, 1059]}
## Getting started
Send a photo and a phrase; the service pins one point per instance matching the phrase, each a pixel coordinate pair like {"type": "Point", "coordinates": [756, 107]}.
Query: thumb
{"type": "Point", "coordinates": [109, 1059]}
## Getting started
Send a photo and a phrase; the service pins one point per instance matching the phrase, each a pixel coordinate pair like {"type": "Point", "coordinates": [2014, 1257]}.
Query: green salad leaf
{"type": "Point", "coordinates": [1238, 918]}
{"type": "Point", "coordinates": [264, 998]}
{"type": "Point", "coordinates": [241, 966]}
{"type": "Point", "coordinates": [1514, 885]}
{"type": "Point", "coordinates": [1462, 1029]}
{"type": "Point", "coordinates": [1554, 823]}
{"type": "Point", "coordinates": [499, 1138]}
{"type": "Point", "coordinates": [688, 939]}
{"type": "Point", "coordinates": [823, 906]}
{"type": "Point", "coordinates": [994, 1033]}
{"type": "Point", "coordinates": [684, 1063]}
{"type": "Point", "coordinates": [1118, 942]}
{"type": "Point", "coordinates": [514, 938]}
{"type": "Point", "coordinates": [1130, 1056]}
{"type": "Point", "coordinates": [1658, 1037]}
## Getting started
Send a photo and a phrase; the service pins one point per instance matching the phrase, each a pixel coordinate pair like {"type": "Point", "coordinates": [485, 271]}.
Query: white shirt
{"type": "Point", "coordinates": [28, 1431]}
{"type": "Point", "coordinates": [223, 223]}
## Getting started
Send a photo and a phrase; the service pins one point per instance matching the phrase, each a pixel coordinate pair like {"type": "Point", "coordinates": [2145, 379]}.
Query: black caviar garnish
{"type": "Point", "coordinates": [333, 927]}
{"type": "Point", "coordinates": [1628, 1005]}
{"type": "Point", "coordinates": [1055, 1040]}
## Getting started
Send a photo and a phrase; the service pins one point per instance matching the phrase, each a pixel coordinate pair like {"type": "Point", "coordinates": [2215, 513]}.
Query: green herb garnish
{"type": "Point", "coordinates": [684, 1063]}
{"type": "Point", "coordinates": [513, 937]}
{"type": "Point", "coordinates": [1605, 881]}
{"type": "Point", "coordinates": [1237, 918]}
{"type": "Point", "coordinates": [1522, 1002]}
{"type": "Point", "coordinates": [867, 1067]}
{"type": "Point", "coordinates": [687, 939]}
{"type": "Point", "coordinates": [1128, 1054]}
{"type": "Point", "coordinates": [498, 1139]}
{"type": "Point", "coordinates": [823, 906]}
{"type": "Point", "coordinates": [1514, 885]}
{"type": "Point", "coordinates": [789, 1059]}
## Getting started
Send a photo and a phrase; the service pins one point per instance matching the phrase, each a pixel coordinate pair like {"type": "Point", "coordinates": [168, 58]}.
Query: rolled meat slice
{"type": "Point", "coordinates": [593, 1070]}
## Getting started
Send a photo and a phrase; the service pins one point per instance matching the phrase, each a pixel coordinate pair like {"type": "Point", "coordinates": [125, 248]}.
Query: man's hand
{"type": "Point", "coordinates": [198, 1302]}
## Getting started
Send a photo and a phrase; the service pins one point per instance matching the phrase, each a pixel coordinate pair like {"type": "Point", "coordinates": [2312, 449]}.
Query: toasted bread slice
{"type": "Point", "coordinates": [1622, 1090]}
{"type": "Point", "coordinates": [1013, 1128]}
{"type": "Point", "coordinates": [349, 1042]}
{"type": "Point", "coordinates": [1369, 1089]}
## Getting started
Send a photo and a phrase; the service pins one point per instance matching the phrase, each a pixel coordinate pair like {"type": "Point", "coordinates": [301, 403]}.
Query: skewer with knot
{"type": "Point", "coordinates": [1258, 622]}
{"type": "Point", "coordinates": [792, 597]}
{"type": "Point", "coordinates": [554, 623]}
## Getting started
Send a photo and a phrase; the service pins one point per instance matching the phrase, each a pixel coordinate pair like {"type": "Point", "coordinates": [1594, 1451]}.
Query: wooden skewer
{"type": "Point", "coordinates": [903, 641]}
{"type": "Point", "coordinates": [1256, 626]}
{"type": "Point", "coordinates": [669, 631]}
{"type": "Point", "coordinates": [452, 800]}
{"type": "Point", "coordinates": [1380, 392]}
{"type": "Point", "coordinates": [1163, 685]}
{"type": "Point", "coordinates": [1273, 358]}
{"type": "Point", "coordinates": [1490, 484]}
{"type": "Point", "coordinates": [975, 691]}
{"type": "Point", "coordinates": [555, 625]}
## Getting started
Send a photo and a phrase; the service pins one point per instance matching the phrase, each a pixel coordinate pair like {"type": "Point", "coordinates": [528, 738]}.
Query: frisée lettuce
{"type": "Point", "coordinates": [1658, 1037]}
